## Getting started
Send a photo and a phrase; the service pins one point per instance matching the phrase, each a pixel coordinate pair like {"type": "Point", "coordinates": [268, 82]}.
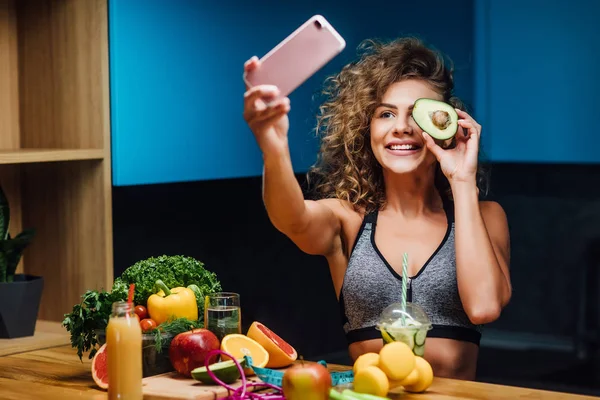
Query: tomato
{"type": "Point", "coordinates": [147, 324]}
{"type": "Point", "coordinates": [141, 312]}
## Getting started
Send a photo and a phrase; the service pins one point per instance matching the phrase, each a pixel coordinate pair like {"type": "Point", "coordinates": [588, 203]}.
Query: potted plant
{"type": "Point", "coordinates": [20, 294]}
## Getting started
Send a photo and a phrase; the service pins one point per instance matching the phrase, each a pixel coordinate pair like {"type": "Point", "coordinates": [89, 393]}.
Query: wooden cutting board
{"type": "Point", "coordinates": [173, 386]}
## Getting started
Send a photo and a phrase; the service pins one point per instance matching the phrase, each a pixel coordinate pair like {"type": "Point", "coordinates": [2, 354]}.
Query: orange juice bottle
{"type": "Point", "coordinates": [124, 353]}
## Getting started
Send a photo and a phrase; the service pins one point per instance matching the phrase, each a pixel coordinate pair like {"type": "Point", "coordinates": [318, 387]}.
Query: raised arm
{"type": "Point", "coordinates": [481, 229]}
{"type": "Point", "coordinates": [312, 225]}
{"type": "Point", "coordinates": [482, 255]}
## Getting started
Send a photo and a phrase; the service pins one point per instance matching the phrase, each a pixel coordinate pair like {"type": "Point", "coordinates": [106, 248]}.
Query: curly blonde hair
{"type": "Point", "coordinates": [346, 167]}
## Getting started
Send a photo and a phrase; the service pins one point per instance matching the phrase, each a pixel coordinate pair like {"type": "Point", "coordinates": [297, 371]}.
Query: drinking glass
{"type": "Point", "coordinates": [223, 314]}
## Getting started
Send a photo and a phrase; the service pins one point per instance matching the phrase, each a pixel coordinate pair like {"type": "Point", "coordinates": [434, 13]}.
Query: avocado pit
{"type": "Point", "coordinates": [440, 119]}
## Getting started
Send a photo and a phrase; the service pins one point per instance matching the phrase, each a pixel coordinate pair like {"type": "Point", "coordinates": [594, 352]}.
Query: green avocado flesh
{"type": "Point", "coordinates": [435, 117]}
{"type": "Point", "coordinates": [226, 371]}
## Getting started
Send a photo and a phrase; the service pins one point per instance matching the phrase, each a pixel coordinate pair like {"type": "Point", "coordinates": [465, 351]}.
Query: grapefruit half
{"type": "Point", "coordinates": [281, 354]}
{"type": "Point", "coordinates": [100, 368]}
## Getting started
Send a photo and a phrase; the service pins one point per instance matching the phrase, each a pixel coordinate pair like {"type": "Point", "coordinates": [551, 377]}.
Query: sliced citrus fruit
{"type": "Point", "coordinates": [239, 345]}
{"type": "Point", "coordinates": [100, 368]}
{"type": "Point", "coordinates": [281, 354]}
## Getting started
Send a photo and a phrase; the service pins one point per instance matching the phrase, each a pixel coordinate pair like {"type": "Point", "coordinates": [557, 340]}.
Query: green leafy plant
{"type": "Point", "coordinates": [11, 249]}
{"type": "Point", "coordinates": [91, 315]}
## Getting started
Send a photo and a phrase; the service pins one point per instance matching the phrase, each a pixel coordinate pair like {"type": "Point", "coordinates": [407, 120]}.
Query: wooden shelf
{"type": "Point", "coordinates": [21, 156]}
{"type": "Point", "coordinates": [55, 146]}
{"type": "Point", "coordinates": [47, 334]}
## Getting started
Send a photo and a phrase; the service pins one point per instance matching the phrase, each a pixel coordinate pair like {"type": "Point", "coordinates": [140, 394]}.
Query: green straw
{"type": "Point", "coordinates": [404, 279]}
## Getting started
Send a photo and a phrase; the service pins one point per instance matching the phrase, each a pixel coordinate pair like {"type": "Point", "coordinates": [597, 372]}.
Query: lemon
{"type": "Point", "coordinates": [371, 380]}
{"type": "Point", "coordinates": [425, 373]}
{"type": "Point", "coordinates": [387, 338]}
{"type": "Point", "coordinates": [397, 360]}
{"type": "Point", "coordinates": [412, 378]}
{"type": "Point", "coordinates": [365, 360]}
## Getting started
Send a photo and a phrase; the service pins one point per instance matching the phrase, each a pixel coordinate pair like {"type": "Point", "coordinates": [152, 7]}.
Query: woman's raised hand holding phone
{"type": "Point", "coordinates": [266, 114]}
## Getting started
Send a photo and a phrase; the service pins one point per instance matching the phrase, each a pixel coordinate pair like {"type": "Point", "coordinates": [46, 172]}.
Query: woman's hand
{"type": "Point", "coordinates": [266, 114]}
{"type": "Point", "coordinates": [459, 164]}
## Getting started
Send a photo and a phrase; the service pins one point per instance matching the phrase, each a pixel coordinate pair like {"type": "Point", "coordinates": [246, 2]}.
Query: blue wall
{"type": "Point", "coordinates": [536, 79]}
{"type": "Point", "coordinates": [176, 87]}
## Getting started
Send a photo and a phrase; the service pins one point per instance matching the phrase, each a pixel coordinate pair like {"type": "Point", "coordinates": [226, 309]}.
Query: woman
{"type": "Point", "coordinates": [386, 187]}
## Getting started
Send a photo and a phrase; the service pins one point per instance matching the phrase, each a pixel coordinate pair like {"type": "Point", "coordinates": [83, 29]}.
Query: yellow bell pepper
{"type": "Point", "coordinates": [179, 302]}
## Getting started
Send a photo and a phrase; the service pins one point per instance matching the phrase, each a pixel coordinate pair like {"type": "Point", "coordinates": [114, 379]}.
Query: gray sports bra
{"type": "Point", "coordinates": [371, 284]}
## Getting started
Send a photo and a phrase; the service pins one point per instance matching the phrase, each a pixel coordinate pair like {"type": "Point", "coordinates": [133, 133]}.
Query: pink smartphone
{"type": "Point", "coordinates": [298, 57]}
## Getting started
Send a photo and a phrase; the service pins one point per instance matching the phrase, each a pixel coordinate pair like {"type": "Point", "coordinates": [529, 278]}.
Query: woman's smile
{"type": "Point", "coordinates": [403, 148]}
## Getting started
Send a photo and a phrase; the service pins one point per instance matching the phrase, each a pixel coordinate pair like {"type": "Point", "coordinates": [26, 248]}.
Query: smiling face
{"type": "Point", "coordinates": [396, 139]}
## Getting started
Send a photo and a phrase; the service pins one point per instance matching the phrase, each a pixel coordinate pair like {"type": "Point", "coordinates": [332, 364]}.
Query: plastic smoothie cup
{"type": "Point", "coordinates": [409, 326]}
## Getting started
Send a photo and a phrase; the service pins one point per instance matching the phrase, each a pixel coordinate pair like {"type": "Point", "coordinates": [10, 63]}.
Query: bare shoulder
{"type": "Point", "coordinates": [492, 212]}
{"type": "Point", "coordinates": [342, 209]}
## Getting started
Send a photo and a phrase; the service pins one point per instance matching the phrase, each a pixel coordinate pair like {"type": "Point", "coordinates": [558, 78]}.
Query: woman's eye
{"type": "Point", "coordinates": [386, 114]}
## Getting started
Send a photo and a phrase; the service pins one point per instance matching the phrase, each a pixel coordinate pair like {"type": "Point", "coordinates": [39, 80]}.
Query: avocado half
{"type": "Point", "coordinates": [435, 117]}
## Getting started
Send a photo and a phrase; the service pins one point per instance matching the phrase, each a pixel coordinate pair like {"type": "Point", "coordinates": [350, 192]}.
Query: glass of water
{"type": "Point", "coordinates": [222, 313]}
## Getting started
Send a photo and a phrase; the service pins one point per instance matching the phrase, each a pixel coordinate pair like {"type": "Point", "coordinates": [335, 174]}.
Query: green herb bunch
{"type": "Point", "coordinates": [90, 315]}
{"type": "Point", "coordinates": [164, 334]}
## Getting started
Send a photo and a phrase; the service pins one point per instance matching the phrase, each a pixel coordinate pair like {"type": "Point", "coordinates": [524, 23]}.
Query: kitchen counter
{"type": "Point", "coordinates": [57, 373]}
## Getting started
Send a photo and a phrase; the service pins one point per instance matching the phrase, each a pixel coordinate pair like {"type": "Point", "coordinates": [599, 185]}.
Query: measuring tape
{"type": "Point", "coordinates": [275, 377]}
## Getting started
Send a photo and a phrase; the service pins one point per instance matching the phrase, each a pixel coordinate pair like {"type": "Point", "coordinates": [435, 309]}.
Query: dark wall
{"type": "Point", "coordinates": [223, 223]}
{"type": "Point", "coordinates": [554, 216]}
{"type": "Point", "coordinates": [553, 211]}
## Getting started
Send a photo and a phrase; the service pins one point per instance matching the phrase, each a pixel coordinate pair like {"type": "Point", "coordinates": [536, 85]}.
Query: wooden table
{"type": "Point", "coordinates": [57, 373]}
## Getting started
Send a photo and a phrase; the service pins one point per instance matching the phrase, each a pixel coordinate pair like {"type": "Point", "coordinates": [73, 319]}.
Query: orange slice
{"type": "Point", "coordinates": [239, 345]}
{"type": "Point", "coordinates": [281, 354]}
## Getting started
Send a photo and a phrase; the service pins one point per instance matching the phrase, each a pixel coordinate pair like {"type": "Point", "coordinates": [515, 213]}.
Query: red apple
{"type": "Point", "coordinates": [188, 350]}
{"type": "Point", "coordinates": [306, 381]}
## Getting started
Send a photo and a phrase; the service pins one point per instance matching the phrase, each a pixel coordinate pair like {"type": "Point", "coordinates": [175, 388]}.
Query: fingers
{"type": "Point", "coordinates": [465, 116]}
{"type": "Point", "coordinates": [261, 91]}
{"type": "Point", "coordinates": [277, 112]}
{"type": "Point", "coordinates": [432, 146]}
{"type": "Point", "coordinates": [249, 66]}
{"type": "Point", "coordinates": [273, 110]}
{"type": "Point", "coordinates": [266, 113]}
{"type": "Point", "coordinates": [255, 99]}
{"type": "Point", "coordinates": [251, 60]}
{"type": "Point", "coordinates": [469, 143]}
{"type": "Point", "coordinates": [472, 131]}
